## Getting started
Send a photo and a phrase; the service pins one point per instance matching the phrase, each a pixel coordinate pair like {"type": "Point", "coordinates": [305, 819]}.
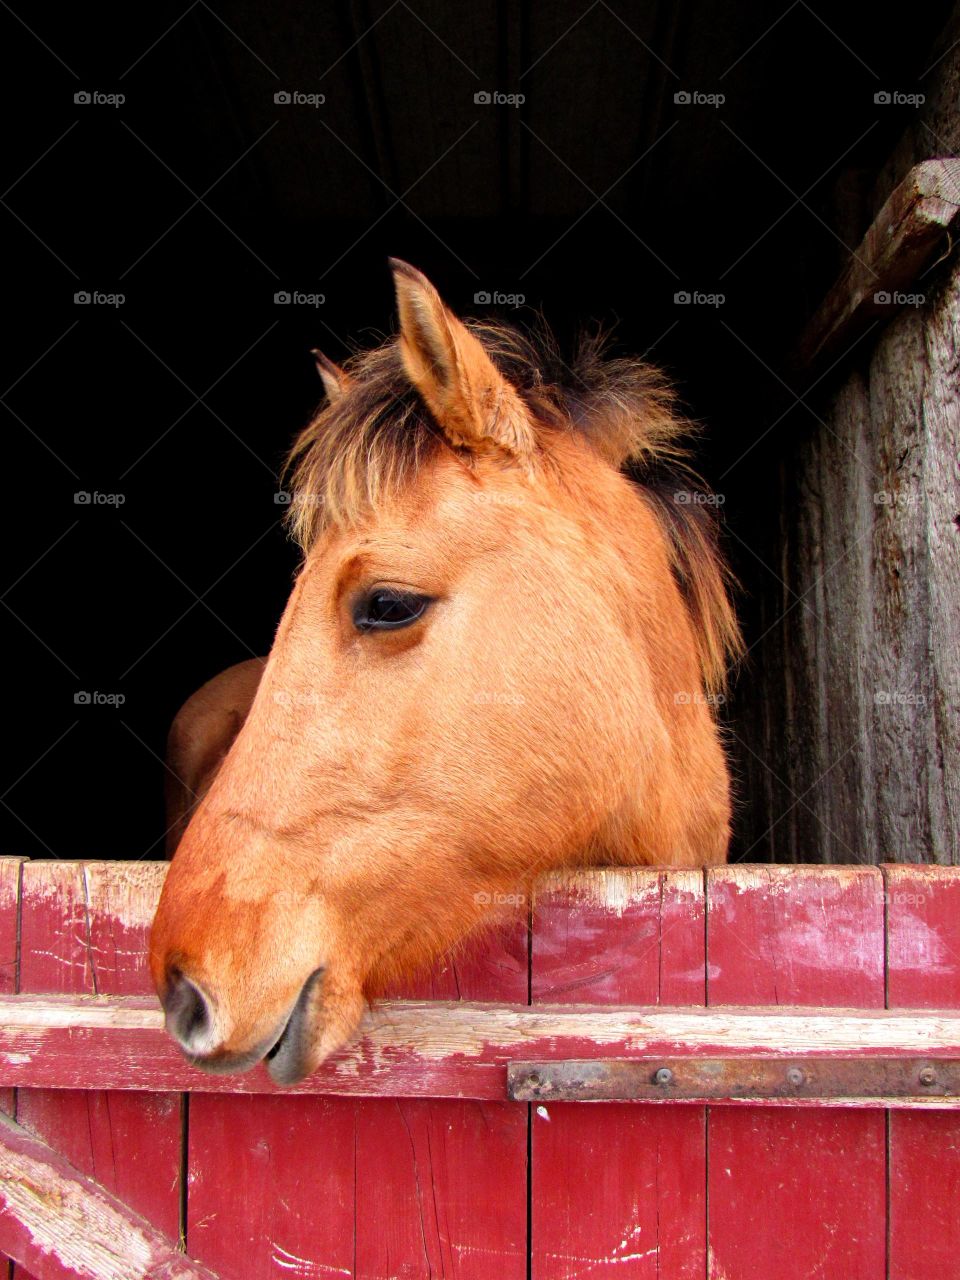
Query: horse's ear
{"type": "Point", "coordinates": [335, 380]}
{"type": "Point", "coordinates": [474, 405]}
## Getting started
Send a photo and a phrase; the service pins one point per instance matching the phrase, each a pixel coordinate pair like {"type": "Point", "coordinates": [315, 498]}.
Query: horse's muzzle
{"type": "Point", "coordinates": [192, 1021]}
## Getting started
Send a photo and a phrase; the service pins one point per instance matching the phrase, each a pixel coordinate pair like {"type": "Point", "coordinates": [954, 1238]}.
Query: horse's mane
{"type": "Point", "coordinates": [371, 442]}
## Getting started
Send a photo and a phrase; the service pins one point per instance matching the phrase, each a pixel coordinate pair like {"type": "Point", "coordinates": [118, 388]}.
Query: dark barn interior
{"type": "Point", "coordinates": [599, 198]}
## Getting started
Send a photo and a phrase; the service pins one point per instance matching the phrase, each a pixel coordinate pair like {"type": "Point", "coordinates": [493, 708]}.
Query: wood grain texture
{"type": "Point", "coordinates": [898, 245]}
{"type": "Point", "coordinates": [796, 1193]}
{"type": "Point", "coordinates": [445, 1049]}
{"type": "Point", "coordinates": [923, 959]}
{"type": "Point", "coordinates": [83, 932]}
{"type": "Point", "coordinates": [270, 1185]}
{"type": "Point", "coordinates": [618, 1189]}
{"type": "Point", "coordinates": [854, 690]}
{"type": "Point", "coordinates": [441, 1189]}
{"type": "Point", "coordinates": [64, 1226]}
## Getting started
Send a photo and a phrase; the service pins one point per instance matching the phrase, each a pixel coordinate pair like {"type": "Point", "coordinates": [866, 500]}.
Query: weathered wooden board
{"type": "Point", "coordinates": [441, 1189]}
{"type": "Point", "coordinates": [853, 693]}
{"type": "Point", "coordinates": [446, 1049]}
{"type": "Point", "coordinates": [886, 264]}
{"type": "Point", "coordinates": [618, 1189]}
{"type": "Point", "coordinates": [923, 958]}
{"type": "Point", "coordinates": [270, 1185]}
{"type": "Point", "coordinates": [854, 687]}
{"type": "Point", "coordinates": [64, 1226]}
{"type": "Point", "coordinates": [83, 931]}
{"type": "Point", "coordinates": [794, 1194]}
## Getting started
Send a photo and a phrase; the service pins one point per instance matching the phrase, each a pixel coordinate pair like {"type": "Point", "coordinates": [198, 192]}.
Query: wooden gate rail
{"type": "Point", "coordinates": [463, 1049]}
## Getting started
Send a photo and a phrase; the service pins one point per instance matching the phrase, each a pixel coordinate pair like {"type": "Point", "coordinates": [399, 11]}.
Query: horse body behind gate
{"type": "Point", "coordinates": [500, 656]}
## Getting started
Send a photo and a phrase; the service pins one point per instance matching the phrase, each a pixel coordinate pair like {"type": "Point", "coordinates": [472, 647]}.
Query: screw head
{"type": "Point", "coordinates": [928, 1076]}
{"type": "Point", "coordinates": [663, 1076]}
{"type": "Point", "coordinates": [795, 1076]}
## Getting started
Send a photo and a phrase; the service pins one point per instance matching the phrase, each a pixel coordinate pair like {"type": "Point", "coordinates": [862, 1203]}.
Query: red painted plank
{"type": "Point", "coordinates": [9, 892]}
{"type": "Point", "coordinates": [9, 975]}
{"type": "Point", "coordinates": [415, 1188]}
{"type": "Point", "coordinates": [794, 935]}
{"type": "Point", "coordinates": [796, 1193]}
{"type": "Point", "coordinates": [441, 1189]}
{"type": "Point", "coordinates": [923, 971]}
{"type": "Point", "coordinates": [923, 937]}
{"type": "Point", "coordinates": [270, 1187]}
{"type": "Point", "coordinates": [65, 1226]}
{"type": "Point", "coordinates": [618, 1190]}
{"type": "Point", "coordinates": [442, 1184]}
{"type": "Point", "coordinates": [83, 930]}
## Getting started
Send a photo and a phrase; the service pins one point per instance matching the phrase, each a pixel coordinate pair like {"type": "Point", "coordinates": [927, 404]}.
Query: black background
{"type": "Point", "coordinates": [200, 197]}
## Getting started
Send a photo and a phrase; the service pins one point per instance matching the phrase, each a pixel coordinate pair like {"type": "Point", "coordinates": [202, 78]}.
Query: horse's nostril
{"type": "Point", "coordinates": [188, 1014]}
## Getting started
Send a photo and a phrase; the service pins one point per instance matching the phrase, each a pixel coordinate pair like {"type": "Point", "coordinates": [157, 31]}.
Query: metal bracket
{"type": "Point", "coordinates": [735, 1080]}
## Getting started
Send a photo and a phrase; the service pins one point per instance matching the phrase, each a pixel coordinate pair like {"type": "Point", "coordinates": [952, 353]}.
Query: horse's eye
{"type": "Point", "coordinates": [388, 609]}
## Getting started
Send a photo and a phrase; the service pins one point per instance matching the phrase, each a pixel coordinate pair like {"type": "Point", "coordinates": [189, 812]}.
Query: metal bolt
{"type": "Point", "coordinates": [928, 1075]}
{"type": "Point", "coordinates": [663, 1076]}
{"type": "Point", "coordinates": [795, 1076]}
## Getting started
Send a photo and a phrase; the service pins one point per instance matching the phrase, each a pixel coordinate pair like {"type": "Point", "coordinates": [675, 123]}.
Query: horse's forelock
{"type": "Point", "coordinates": [373, 441]}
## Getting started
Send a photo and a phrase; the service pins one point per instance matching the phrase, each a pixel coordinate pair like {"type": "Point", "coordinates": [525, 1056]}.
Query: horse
{"type": "Point", "coordinates": [502, 654]}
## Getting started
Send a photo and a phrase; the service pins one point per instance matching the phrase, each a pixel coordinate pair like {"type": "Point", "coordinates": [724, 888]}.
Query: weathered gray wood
{"type": "Point", "coordinates": [898, 245]}
{"type": "Point", "coordinates": [941, 506]}
{"type": "Point", "coordinates": [858, 690]}
{"type": "Point", "coordinates": [864, 711]}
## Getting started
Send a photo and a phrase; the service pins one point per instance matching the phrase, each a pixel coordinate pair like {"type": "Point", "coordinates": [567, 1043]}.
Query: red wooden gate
{"type": "Point", "coordinates": [404, 1157]}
